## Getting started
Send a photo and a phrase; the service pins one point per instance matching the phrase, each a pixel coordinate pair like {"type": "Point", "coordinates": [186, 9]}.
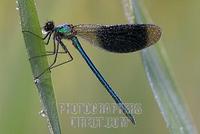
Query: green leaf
{"type": "Point", "coordinates": [35, 46]}
{"type": "Point", "coordinates": [170, 102]}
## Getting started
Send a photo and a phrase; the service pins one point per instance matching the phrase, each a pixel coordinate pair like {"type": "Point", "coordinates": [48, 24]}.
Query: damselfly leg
{"type": "Point", "coordinates": [56, 43]}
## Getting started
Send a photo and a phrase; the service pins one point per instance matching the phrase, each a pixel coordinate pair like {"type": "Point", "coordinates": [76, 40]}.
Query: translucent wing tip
{"type": "Point", "coordinates": [153, 34]}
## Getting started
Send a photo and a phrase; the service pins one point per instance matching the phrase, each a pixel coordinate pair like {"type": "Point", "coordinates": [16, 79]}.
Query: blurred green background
{"type": "Point", "coordinates": [74, 82]}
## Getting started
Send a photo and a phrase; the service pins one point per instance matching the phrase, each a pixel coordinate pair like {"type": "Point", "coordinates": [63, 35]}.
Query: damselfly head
{"type": "Point", "coordinates": [49, 26]}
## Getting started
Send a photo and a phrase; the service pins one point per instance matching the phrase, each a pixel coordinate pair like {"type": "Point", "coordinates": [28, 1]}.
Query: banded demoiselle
{"type": "Point", "coordinates": [122, 38]}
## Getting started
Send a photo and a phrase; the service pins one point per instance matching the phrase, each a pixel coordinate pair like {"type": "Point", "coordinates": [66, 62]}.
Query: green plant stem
{"type": "Point", "coordinates": [170, 102]}
{"type": "Point", "coordinates": [35, 46]}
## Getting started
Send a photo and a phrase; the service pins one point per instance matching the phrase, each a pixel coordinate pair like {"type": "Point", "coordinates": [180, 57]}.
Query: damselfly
{"type": "Point", "coordinates": [123, 38]}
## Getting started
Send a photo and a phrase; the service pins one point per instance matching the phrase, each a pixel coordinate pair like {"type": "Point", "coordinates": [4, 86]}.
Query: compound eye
{"type": "Point", "coordinates": [49, 26]}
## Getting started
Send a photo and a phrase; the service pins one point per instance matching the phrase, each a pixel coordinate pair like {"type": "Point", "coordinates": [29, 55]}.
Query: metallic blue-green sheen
{"type": "Point", "coordinates": [78, 46]}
